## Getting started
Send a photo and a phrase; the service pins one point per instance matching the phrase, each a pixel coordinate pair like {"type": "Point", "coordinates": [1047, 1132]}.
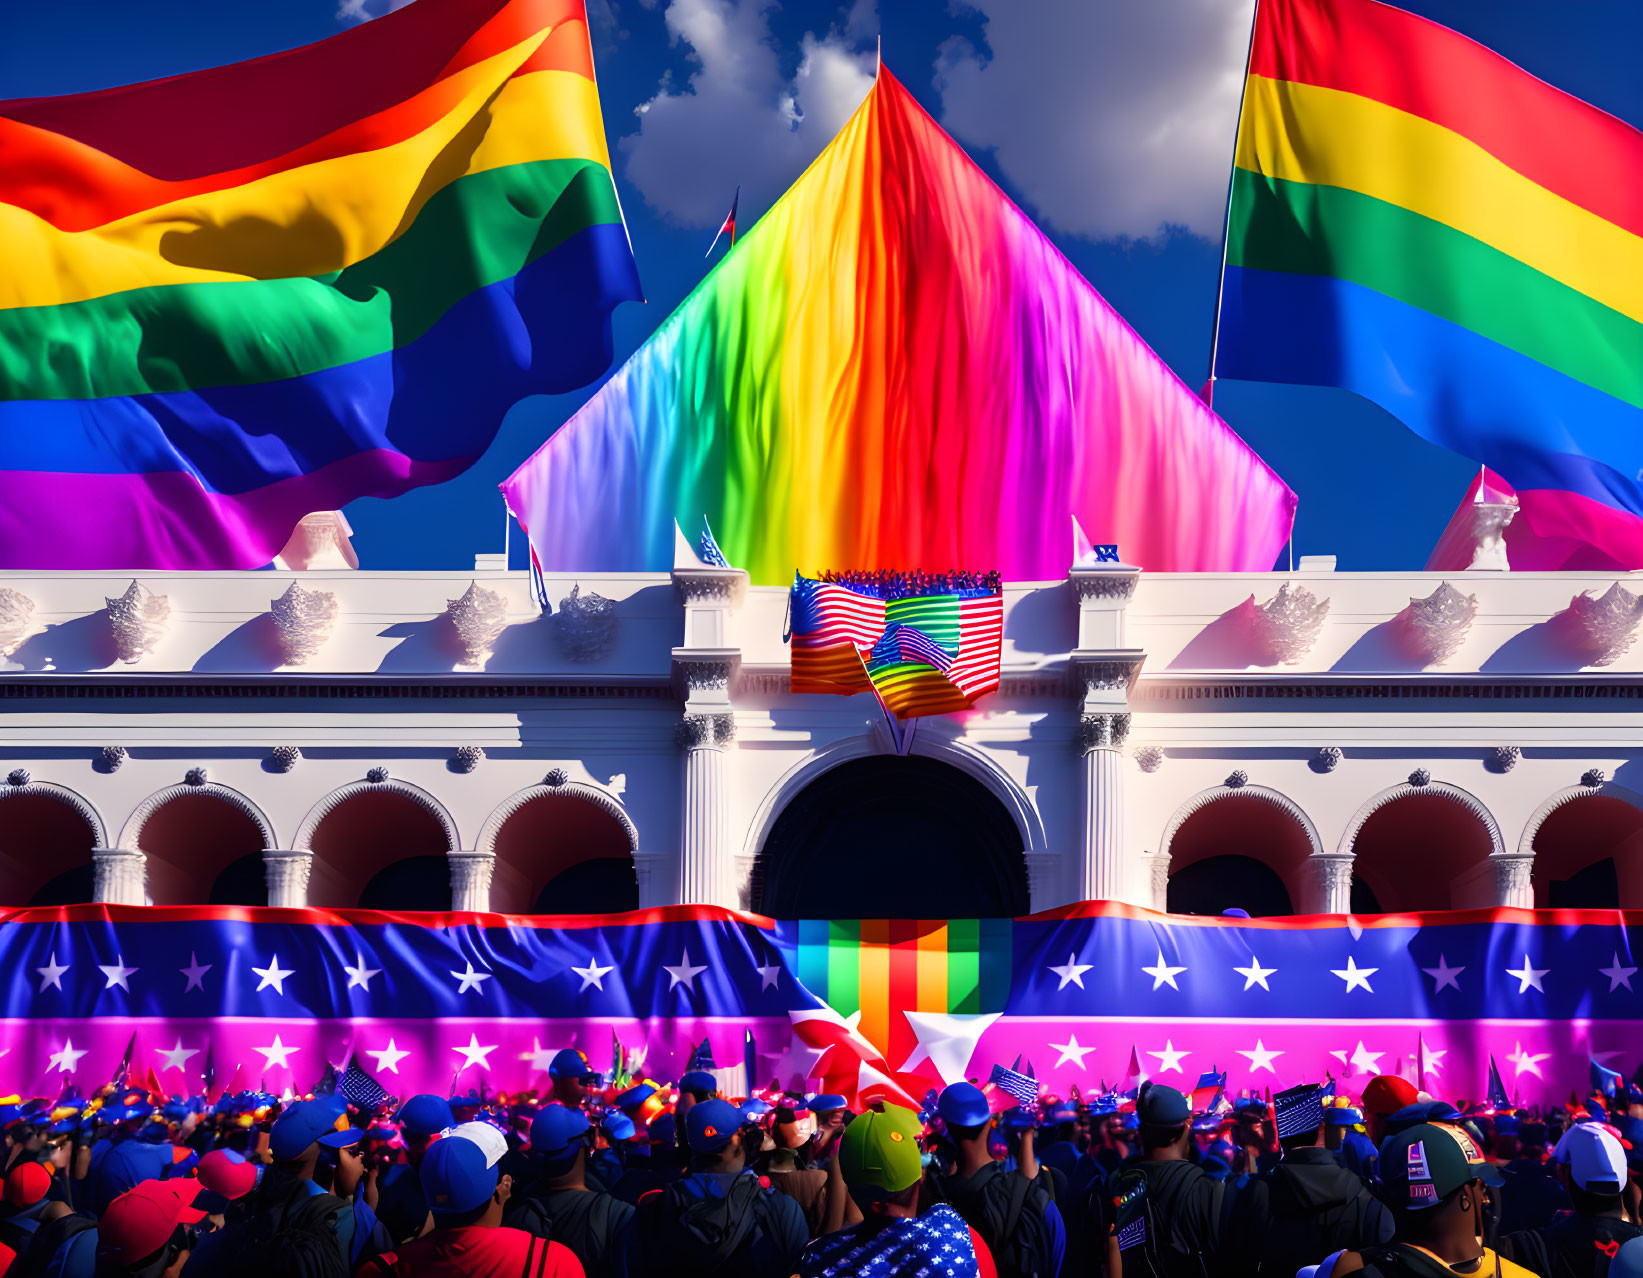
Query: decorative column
{"type": "Point", "coordinates": [1102, 671]}
{"type": "Point", "coordinates": [118, 877]}
{"type": "Point", "coordinates": [287, 877]}
{"type": "Point", "coordinates": [471, 880]}
{"type": "Point", "coordinates": [704, 671]}
{"type": "Point", "coordinates": [1514, 884]}
{"type": "Point", "coordinates": [1155, 881]}
{"type": "Point", "coordinates": [1331, 883]}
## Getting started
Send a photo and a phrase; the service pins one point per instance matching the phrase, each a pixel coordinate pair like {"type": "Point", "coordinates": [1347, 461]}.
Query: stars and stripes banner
{"type": "Point", "coordinates": [886, 1008]}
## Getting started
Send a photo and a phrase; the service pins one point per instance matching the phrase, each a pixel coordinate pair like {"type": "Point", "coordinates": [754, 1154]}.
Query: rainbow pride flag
{"type": "Point", "coordinates": [1419, 221]}
{"type": "Point", "coordinates": [894, 369]}
{"type": "Point", "coordinates": [231, 298]}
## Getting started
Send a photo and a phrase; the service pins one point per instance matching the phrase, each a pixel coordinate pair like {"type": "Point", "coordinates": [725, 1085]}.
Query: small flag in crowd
{"type": "Point", "coordinates": [1498, 1099]}
{"type": "Point", "coordinates": [124, 1067]}
{"type": "Point", "coordinates": [1130, 1092]}
{"type": "Point", "coordinates": [702, 1057]}
{"type": "Point", "coordinates": [1604, 1079]}
{"type": "Point", "coordinates": [327, 1084]}
{"type": "Point", "coordinates": [1299, 1109]}
{"type": "Point", "coordinates": [363, 1092]}
{"type": "Point", "coordinates": [1012, 1082]}
{"type": "Point", "coordinates": [727, 227]}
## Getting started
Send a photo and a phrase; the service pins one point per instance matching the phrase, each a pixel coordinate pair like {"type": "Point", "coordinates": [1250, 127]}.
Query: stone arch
{"type": "Point", "coordinates": [379, 828]}
{"type": "Point", "coordinates": [988, 856]}
{"type": "Point", "coordinates": [1600, 864]}
{"type": "Point", "coordinates": [1445, 861]}
{"type": "Point", "coordinates": [131, 832]}
{"type": "Point", "coordinates": [582, 864]}
{"type": "Point", "coordinates": [191, 836]}
{"type": "Point", "coordinates": [67, 826]}
{"type": "Point", "coordinates": [1236, 838]}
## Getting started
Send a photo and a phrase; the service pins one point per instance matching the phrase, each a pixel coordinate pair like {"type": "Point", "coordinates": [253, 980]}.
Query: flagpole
{"type": "Point", "coordinates": [1226, 220]}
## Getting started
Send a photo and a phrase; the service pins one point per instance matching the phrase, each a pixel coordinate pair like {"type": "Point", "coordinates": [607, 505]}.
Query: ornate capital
{"type": "Point", "coordinates": [1156, 865]}
{"type": "Point", "coordinates": [471, 880]}
{"type": "Point", "coordinates": [1103, 731]}
{"type": "Point", "coordinates": [479, 616]}
{"type": "Point", "coordinates": [1438, 624]}
{"type": "Point", "coordinates": [710, 585]}
{"type": "Point", "coordinates": [705, 731]}
{"type": "Point", "coordinates": [1608, 623]}
{"type": "Point", "coordinates": [1514, 882]}
{"type": "Point", "coordinates": [286, 874]}
{"type": "Point", "coordinates": [1104, 583]}
{"type": "Point", "coordinates": [1332, 882]}
{"type": "Point", "coordinates": [16, 620]}
{"type": "Point", "coordinates": [1289, 622]}
{"type": "Point", "coordinates": [1092, 674]}
{"type": "Point", "coordinates": [703, 674]}
{"type": "Point", "coordinates": [304, 619]}
{"type": "Point", "coordinates": [137, 620]}
{"type": "Point", "coordinates": [119, 877]}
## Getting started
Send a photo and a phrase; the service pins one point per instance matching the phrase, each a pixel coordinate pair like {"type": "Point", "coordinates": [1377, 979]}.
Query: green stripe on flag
{"type": "Point", "coordinates": [963, 966]}
{"type": "Point", "coordinates": [844, 966]}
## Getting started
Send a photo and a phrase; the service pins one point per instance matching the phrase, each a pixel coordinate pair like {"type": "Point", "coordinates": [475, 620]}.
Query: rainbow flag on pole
{"type": "Point", "coordinates": [231, 298]}
{"type": "Point", "coordinates": [1419, 221]}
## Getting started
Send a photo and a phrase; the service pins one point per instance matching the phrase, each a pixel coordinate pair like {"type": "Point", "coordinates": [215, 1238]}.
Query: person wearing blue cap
{"type": "Point", "coordinates": [573, 1077]}
{"type": "Point", "coordinates": [401, 1207]}
{"type": "Point", "coordinates": [721, 1221]}
{"type": "Point", "coordinates": [1013, 1209]}
{"type": "Point", "coordinates": [468, 1195]}
{"type": "Point", "coordinates": [1344, 1135]}
{"type": "Point", "coordinates": [1182, 1202]}
{"type": "Point", "coordinates": [559, 1203]}
{"type": "Point", "coordinates": [1307, 1207]}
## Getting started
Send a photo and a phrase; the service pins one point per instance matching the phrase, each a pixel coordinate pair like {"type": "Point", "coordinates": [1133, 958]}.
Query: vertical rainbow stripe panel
{"type": "Point", "coordinates": [1419, 221]}
{"type": "Point", "coordinates": [881, 968]}
{"type": "Point", "coordinates": [233, 297]}
{"type": "Point", "coordinates": [894, 369]}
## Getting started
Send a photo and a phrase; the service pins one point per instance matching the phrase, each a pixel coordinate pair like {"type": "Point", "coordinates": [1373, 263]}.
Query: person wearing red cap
{"type": "Point", "coordinates": [1383, 1096]}
{"type": "Point", "coordinates": [145, 1231]}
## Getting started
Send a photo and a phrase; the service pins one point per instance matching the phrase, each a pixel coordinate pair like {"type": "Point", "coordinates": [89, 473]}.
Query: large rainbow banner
{"type": "Point", "coordinates": [425, 1001]}
{"type": "Point", "coordinates": [894, 369]}
{"type": "Point", "coordinates": [1419, 221]}
{"type": "Point", "coordinates": [233, 297]}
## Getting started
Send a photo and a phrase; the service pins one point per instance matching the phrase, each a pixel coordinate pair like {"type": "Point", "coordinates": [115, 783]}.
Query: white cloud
{"type": "Point", "coordinates": [739, 120]}
{"type": "Point", "coordinates": [1115, 121]}
{"type": "Point", "coordinates": [365, 10]}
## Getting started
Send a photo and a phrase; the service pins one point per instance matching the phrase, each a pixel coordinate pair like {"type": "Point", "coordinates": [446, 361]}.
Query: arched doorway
{"type": "Point", "coordinates": [1426, 849]}
{"type": "Point", "coordinates": [379, 846]}
{"type": "Point", "coordinates": [45, 849]}
{"type": "Point", "coordinates": [1589, 854]}
{"type": "Point", "coordinates": [891, 837]}
{"type": "Point", "coordinates": [202, 846]}
{"type": "Point", "coordinates": [561, 850]}
{"type": "Point", "coordinates": [1244, 848]}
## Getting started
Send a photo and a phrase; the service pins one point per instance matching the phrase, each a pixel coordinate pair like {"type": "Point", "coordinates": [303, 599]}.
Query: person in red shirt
{"type": "Point", "coordinates": [466, 1196]}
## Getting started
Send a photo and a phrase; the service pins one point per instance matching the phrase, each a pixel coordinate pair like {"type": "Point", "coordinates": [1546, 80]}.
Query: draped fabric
{"type": "Point", "coordinates": [892, 1008]}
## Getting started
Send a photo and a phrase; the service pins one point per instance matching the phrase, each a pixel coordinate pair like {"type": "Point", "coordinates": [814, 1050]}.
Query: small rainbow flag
{"type": "Point", "coordinates": [234, 297]}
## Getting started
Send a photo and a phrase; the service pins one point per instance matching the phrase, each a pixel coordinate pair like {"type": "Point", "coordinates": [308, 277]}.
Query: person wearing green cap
{"type": "Point", "coordinates": [883, 1168]}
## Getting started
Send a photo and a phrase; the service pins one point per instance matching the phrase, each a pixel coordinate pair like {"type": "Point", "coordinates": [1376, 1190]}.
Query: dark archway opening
{"type": "Point", "coordinates": [1425, 852]}
{"type": "Point", "coordinates": [1589, 855]}
{"type": "Point", "coordinates": [192, 840]}
{"type": "Point", "coordinates": [1597, 887]}
{"type": "Point", "coordinates": [1219, 883]}
{"type": "Point", "coordinates": [891, 837]}
{"type": "Point", "coordinates": [71, 887]}
{"type": "Point", "coordinates": [561, 854]}
{"type": "Point", "coordinates": [45, 852]}
{"type": "Point", "coordinates": [591, 887]}
{"type": "Point", "coordinates": [1364, 900]}
{"type": "Point", "coordinates": [416, 883]}
{"type": "Point", "coordinates": [242, 881]}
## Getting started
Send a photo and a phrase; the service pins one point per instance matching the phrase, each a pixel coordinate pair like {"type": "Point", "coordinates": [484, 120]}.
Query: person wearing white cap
{"type": "Point", "coordinates": [1591, 1163]}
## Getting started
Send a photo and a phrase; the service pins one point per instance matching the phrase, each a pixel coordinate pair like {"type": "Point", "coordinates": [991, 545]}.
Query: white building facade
{"type": "Point", "coordinates": [1287, 742]}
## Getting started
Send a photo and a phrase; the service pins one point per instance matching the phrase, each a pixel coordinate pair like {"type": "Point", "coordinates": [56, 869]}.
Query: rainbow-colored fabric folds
{"type": "Point", "coordinates": [1419, 221]}
{"type": "Point", "coordinates": [894, 369]}
{"type": "Point", "coordinates": [233, 297]}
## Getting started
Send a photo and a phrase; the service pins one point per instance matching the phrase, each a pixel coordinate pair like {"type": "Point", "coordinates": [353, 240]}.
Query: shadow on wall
{"type": "Point", "coordinates": [1044, 621]}
{"type": "Point", "coordinates": [252, 648]}
{"type": "Point", "coordinates": [1557, 646]}
{"type": "Point", "coordinates": [85, 643]}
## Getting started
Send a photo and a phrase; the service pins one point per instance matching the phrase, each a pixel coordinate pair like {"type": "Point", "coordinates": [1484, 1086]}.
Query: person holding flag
{"type": "Point", "coordinates": [727, 227]}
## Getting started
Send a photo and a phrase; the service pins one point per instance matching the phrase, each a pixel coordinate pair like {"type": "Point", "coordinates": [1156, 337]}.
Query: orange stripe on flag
{"type": "Point", "coordinates": [874, 990]}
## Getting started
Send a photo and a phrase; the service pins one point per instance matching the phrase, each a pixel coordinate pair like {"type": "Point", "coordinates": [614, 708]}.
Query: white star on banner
{"type": "Point", "coordinates": [1361, 1060]}
{"type": "Point", "coordinates": [683, 973]}
{"type": "Point", "coordinates": [273, 975]}
{"type": "Point", "coordinates": [177, 1057]}
{"type": "Point", "coordinates": [1355, 976]}
{"type": "Point", "coordinates": [276, 1053]}
{"type": "Point", "coordinates": [474, 1054]}
{"type": "Point", "coordinates": [117, 973]}
{"type": "Point", "coordinates": [471, 980]}
{"type": "Point", "coordinates": [51, 975]}
{"type": "Point", "coordinates": [1434, 1058]}
{"type": "Point", "coordinates": [1255, 974]}
{"type": "Point", "coordinates": [67, 1060]}
{"type": "Point", "coordinates": [388, 1058]}
{"type": "Point", "coordinates": [1071, 1052]}
{"type": "Point", "coordinates": [769, 977]}
{"type": "Point", "coordinates": [593, 975]}
{"type": "Point", "coordinates": [1617, 975]}
{"type": "Point", "coordinates": [1170, 1059]}
{"type": "Point", "coordinates": [1526, 1063]}
{"type": "Point", "coordinates": [1444, 975]}
{"type": "Point", "coordinates": [1261, 1058]}
{"type": "Point", "coordinates": [539, 1057]}
{"type": "Point", "coordinates": [946, 1040]}
{"type": "Point", "coordinates": [194, 973]}
{"type": "Point", "coordinates": [359, 974]}
{"type": "Point", "coordinates": [1162, 974]}
{"type": "Point", "coordinates": [1528, 976]}
{"type": "Point", "coordinates": [1072, 972]}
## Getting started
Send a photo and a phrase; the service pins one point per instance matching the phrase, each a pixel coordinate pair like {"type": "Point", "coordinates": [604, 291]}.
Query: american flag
{"type": "Point", "coordinates": [1012, 1082]}
{"type": "Point", "coordinates": [1299, 1109]}
{"type": "Point", "coordinates": [362, 1091]}
{"type": "Point", "coordinates": [908, 643]}
{"type": "Point", "coordinates": [833, 626]}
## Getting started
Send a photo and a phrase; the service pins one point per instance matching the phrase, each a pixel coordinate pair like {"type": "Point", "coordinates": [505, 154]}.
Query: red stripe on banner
{"type": "Point", "coordinates": [374, 918]}
{"type": "Point", "coordinates": [1369, 922]}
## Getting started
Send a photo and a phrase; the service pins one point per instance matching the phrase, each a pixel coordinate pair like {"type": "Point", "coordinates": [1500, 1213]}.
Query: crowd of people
{"type": "Point", "coordinates": [990, 1180]}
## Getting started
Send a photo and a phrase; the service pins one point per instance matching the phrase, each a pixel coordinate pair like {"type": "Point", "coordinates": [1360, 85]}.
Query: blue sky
{"type": "Point", "coordinates": [1110, 121]}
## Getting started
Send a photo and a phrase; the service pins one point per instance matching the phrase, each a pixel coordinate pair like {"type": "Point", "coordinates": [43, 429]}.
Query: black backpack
{"type": "Point", "coordinates": [295, 1234]}
{"type": "Point", "coordinates": [1293, 1239]}
{"type": "Point", "coordinates": [1010, 1213]}
{"type": "Point", "coordinates": [710, 1236]}
{"type": "Point", "coordinates": [1151, 1245]}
